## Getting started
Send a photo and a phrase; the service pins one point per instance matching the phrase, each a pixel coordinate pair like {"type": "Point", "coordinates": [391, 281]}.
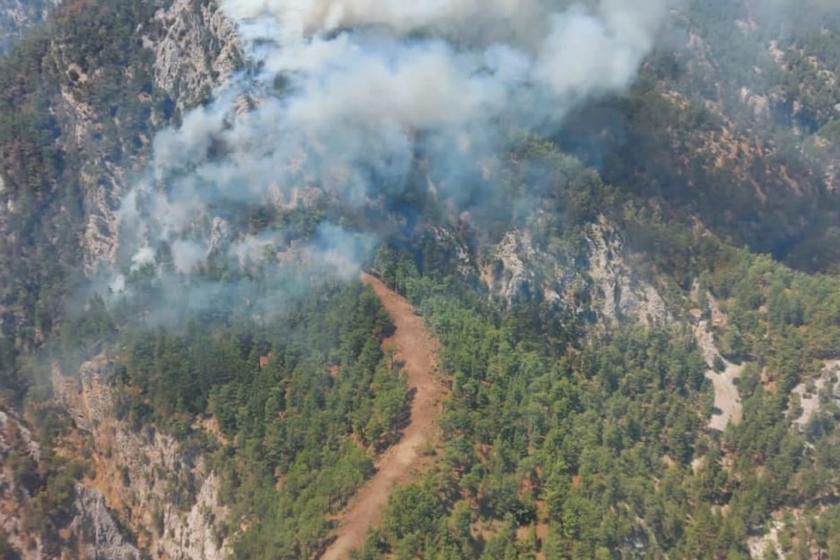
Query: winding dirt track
{"type": "Point", "coordinates": [416, 349]}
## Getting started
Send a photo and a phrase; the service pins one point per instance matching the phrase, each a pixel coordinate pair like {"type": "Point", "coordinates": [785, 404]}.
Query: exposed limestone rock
{"type": "Point", "coordinates": [510, 275]}
{"type": "Point", "coordinates": [99, 537]}
{"type": "Point", "coordinates": [463, 261]}
{"type": "Point", "coordinates": [196, 48]}
{"type": "Point", "coordinates": [767, 545]}
{"type": "Point", "coordinates": [760, 104]}
{"type": "Point", "coordinates": [619, 292]}
{"type": "Point", "coordinates": [12, 432]}
{"type": "Point", "coordinates": [100, 179]}
{"type": "Point", "coordinates": [101, 204]}
{"type": "Point", "coordinates": [728, 406]}
{"type": "Point", "coordinates": [18, 16]}
{"type": "Point", "coordinates": [136, 472]}
{"type": "Point", "coordinates": [196, 535]}
{"type": "Point", "coordinates": [518, 270]}
{"type": "Point", "coordinates": [200, 48]}
{"type": "Point", "coordinates": [15, 438]}
{"type": "Point", "coordinates": [812, 395]}
{"type": "Point", "coordinates": [91, 534]}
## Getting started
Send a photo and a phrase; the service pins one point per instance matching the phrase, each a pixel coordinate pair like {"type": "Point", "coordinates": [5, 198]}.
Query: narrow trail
{"type": "Point", "coordinates": [416, 349]}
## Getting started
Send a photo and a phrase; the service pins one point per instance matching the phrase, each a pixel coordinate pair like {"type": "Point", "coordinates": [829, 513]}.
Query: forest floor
{"type": "Point", "coordinates": [416, 350]}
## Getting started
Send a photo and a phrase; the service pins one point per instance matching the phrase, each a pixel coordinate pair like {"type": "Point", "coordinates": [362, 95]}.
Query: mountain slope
{"type": "Point", "coordinates": [628, 281]}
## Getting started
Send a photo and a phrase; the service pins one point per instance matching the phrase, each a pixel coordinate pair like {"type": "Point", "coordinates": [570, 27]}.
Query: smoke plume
{"type": "Point", "coordinates": [341, 103]}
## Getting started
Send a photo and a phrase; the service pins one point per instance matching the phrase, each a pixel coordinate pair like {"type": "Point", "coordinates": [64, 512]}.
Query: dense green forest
{"type": "Point", "coordinates": [299, 431]}
{"type": "Point", "coordinates": [572, 440]}
{"type": "Point", "coordinates": [562, 435]}
{"type": "Point", "coordinates": [602, 443]}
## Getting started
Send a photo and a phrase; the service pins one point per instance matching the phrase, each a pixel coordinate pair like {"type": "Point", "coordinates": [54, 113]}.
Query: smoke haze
{"type": "Point", "coordinates": [341, 101]}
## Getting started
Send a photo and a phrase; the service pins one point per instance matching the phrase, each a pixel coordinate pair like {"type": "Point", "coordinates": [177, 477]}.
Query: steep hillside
{"type": "Point", "coordinates": [731, 121]}
{"type": "Point", "coordinates": [81, 99]}
{"type": "Point", "coordinates": [608, 228]}
{"type": "Point", "coordinates": [82, 95]}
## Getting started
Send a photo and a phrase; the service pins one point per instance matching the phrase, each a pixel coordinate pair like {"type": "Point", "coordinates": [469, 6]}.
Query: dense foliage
{"type": "Point", "coordinates": [301, 405]}
{"type": "Point", "coordinates": [600, 449]}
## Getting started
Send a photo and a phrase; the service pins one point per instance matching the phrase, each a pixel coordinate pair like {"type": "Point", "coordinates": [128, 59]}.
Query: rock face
{"type": "Point", "coordinates": [92, 533]}
{"type": "Point", "coordinates": [62, 179]}
{"type": "Point", "coordinates": [518, 270]}
{"type": "Point", "coordinates": [99, 537]}
{"type": "Point", "coordinates": [195, 48]}
{"type": "Point", "coordinates": [160, 490]}
{"type": "Point", "coordinates": [814, 394]}
{"type": "Point", "coordinates": [18, 16]}
{"type": "Point", "coordinates": [190, 48]}
{"type": "Point", "coordinates": [198, 51]}
{"type": "Point", "coordinates": [728, 406]}
{"type": "Point", "coordinates": [511, 275]}
{"type": "Point", "coordinates": [619, 292]}
{"type": "Point", "coordinates": [16, 441]}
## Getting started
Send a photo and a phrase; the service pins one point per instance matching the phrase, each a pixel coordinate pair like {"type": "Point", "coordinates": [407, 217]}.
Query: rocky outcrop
{"type": "Point", "coordinates": [16, 444]}
{"type": "Point", "coordinates": [814, 394]}
{"type": "Point", "coordinates": [619, 292]}
{"type": "Point", "coordinates": [19, 16]}
{"type": "Point", "coordinates": [198, 51]}
{"type": "Point", "coordinates": [104, 110]}
{"type": "Point", "coordinates": [98, 535]}
{"type": "Point", "coordinates": [91, 532]}
{"type": "Point", "coordinates": [728, 408]}
{"type": "Point", "coordinates": [511, 274]}
{"type": "Point", "coordinates": [519, 270]}
{"type": "Point", "coordinates": [196, 48]}
{"type": "Point", "coordinates": [162, 491]}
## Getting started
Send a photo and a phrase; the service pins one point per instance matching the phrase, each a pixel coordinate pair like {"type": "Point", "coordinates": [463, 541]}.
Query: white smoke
{"type": "Point", "coordinates": [367, 88]}
{"type": "Point", "coordinates": [498, 20]}
{"type": "Point", "coordinates": [188, 255]}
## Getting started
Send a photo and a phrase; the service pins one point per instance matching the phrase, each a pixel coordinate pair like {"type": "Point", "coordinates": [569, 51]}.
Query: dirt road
{"type": "Point", "coordinates": [416, 349]}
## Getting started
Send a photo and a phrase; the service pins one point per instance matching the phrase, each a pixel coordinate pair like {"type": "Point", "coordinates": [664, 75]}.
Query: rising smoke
{"type": "Point", "coordinates": [340, 105]}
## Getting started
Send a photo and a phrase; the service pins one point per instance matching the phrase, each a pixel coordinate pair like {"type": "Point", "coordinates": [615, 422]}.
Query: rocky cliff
{"type": "Point", "coordinates": [195, 48]}
{"type": "Point", "coordinates": [199, 48]}
{"type": "Point", "coordinates": [17, 17]}
{"type": "Point", "coordinates": [163, 492]}
{"type": "Point", "coordinates": [518, 270]}
{"type": "Point", "coordinates": [88, 97]}
{"type": "Point", "coordinates": [89, 529]}
{"type": "Point", "coordinates": [96, 88]}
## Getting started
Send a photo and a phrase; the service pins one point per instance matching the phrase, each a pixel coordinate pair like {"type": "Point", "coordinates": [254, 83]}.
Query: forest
{"type": "Point", "coordinates": [587, 440]}
{"type": "Point", "coordinates": [569, 433]}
